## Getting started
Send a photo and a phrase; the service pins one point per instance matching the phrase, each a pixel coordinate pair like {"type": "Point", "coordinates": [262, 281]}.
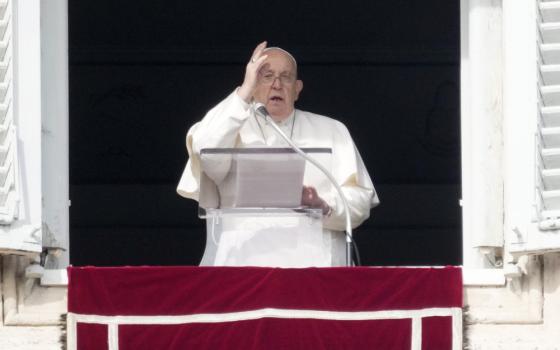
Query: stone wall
{"type": "Point", "coordinates": [32, 317]}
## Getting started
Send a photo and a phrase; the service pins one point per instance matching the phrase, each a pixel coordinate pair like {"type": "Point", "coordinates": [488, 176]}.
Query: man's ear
{"type": "Point", "coordinates": [299, 87]}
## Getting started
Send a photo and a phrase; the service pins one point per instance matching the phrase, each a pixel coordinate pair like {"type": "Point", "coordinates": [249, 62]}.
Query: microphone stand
{"type": "Point", "coordinates": [261, 110]}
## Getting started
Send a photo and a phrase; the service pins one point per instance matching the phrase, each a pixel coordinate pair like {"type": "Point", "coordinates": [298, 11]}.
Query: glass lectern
{"type": "Point", "coordinates": [251, 200]}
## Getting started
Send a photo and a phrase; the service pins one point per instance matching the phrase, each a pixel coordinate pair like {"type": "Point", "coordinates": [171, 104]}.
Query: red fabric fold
{"type": "Point", "coordinates": [189, 290]}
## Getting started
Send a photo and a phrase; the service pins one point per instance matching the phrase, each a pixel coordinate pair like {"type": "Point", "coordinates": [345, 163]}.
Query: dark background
{"type": "Point", "coordinates": [142, 72]}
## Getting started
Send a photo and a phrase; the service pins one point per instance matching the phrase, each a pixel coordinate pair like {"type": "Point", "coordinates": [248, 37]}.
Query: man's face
{"type": "Point", "coordinates": [277, 86]}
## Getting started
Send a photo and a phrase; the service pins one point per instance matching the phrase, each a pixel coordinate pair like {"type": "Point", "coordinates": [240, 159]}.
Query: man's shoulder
{"type": "Point", "coordinates": [321, 120]}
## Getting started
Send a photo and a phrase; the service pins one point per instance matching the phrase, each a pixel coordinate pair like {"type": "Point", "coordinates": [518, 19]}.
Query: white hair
{"type": "Point", "coordinates": [284, 51]}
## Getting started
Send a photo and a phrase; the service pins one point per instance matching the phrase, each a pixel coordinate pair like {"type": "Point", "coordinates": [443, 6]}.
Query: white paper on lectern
{"type": "Point", "coordinates": [264, 180]}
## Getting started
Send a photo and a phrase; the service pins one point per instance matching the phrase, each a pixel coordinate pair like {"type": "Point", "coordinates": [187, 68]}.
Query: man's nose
{"type": "Point", "coordinates": [276, 83]}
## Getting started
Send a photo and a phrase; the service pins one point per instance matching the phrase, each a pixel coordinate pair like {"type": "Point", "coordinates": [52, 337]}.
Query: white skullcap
{"type": "Point", "coordinates": [284, 51]}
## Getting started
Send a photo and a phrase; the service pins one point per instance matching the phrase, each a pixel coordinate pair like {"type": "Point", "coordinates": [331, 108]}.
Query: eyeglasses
{"type": "Point", "coordinates": [285, 79]}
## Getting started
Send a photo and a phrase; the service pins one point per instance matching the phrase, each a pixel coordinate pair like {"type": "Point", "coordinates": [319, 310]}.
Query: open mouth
{"type": "Point", "coordinates": [276, 99]}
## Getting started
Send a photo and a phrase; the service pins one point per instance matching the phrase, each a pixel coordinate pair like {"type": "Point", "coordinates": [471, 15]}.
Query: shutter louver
{"type": "Point", "coordinates": [532, 127]}
{"type": "Point", "coordinates": [8, 151]}
{"type": "Point", "coordinates": [20, 128]}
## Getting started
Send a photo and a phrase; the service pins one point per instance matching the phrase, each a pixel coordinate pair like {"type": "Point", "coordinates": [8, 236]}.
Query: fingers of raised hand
{"type": "Point", "coordinates": [258, 58]}
{"type": "Point", "coordinates": [258, 51]}
{"type": "Point", "coordinates": [257, 62]}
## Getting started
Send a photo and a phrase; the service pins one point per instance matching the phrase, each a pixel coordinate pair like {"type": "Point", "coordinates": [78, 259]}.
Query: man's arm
{"type": "Point", "coordinates": [360, 201]}
{"type": "Point", "coordinates": [352, 176]}
{"type": "Point", "coordinates": [220, 127]}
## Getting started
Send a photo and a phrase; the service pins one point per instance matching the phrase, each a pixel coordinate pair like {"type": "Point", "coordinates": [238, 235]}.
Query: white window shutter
{"type": "Point", "coordinates": [543, 233]}
{"type": "Point", "coordinates": [20, 128]}
{"type": "Point", "coordinates": [8, 141]}
{"type": "Point", "coordinates": [548, 138]}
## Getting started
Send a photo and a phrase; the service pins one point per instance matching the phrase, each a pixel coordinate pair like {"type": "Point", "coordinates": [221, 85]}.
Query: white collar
{"type": "Point", "coordinates": [287, 121]}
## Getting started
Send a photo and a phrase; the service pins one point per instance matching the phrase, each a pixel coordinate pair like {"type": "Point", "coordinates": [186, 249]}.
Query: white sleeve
{"type": "Point", "coordinates": [355, 182]}
{"type": "Point", "coordinates": [359, 203]}
{"type": "Point", "coordinates": [219, 128]}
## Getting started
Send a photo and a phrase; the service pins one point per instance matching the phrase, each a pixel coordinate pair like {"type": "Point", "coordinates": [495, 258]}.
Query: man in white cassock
{"type": "Point", "coordinates": [271, 79]}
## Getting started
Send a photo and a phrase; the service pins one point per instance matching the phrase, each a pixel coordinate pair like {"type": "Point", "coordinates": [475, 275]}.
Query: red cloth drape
{"type": "Point", "coordinates": [147, 292]}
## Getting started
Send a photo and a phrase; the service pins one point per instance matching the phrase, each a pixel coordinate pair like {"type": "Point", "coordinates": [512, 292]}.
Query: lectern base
{"type": "Point", "coordinates": [267, 237]}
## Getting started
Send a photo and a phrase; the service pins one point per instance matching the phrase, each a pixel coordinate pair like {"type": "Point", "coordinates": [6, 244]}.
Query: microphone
{"type": "Point", "coordinates": [261, 110]}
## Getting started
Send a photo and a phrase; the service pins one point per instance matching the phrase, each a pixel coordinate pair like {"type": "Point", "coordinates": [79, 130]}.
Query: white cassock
{"type": "Point", "coordinates": [232, 123]}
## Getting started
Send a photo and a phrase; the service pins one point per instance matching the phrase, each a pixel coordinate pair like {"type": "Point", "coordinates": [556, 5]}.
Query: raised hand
{"type": "Point", "coordinates": [252, 72]}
